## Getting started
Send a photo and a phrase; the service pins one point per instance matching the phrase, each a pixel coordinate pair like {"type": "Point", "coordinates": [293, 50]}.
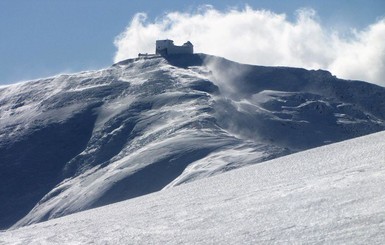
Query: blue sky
{"type": "Point", "coordinates": [45, 37]}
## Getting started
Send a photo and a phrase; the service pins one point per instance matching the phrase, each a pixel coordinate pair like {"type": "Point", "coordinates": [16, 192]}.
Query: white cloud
{"type": "Point", "coordinates": [264, 38]}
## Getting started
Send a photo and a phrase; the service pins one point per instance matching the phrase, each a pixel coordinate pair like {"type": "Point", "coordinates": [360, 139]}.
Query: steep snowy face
{"type": "Point", "coordinates": [75, 142]}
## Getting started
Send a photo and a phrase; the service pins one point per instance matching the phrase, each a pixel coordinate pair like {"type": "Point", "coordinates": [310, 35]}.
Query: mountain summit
{"type": "Point", "coordinates": [74, 142]}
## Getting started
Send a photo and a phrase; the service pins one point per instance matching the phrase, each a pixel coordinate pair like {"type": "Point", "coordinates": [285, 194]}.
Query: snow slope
{"type": "Point", "coordinates": [79, 141]}
{"type": "Point", "coordinates": [331, 194]}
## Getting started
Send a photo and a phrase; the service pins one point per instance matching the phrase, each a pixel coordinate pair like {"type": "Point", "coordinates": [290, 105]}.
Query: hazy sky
{"type": "Point", "coordinates": [45, 37]}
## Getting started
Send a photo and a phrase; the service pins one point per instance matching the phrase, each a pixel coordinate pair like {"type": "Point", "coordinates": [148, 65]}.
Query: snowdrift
{"type": "Point", "coordinates": [331, 194]}
{"type": "Point", "coordinates": [74, 142]}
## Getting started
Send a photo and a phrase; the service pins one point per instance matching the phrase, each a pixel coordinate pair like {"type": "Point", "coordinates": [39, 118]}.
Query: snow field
{"type": "Point", "coordinates": [331, 194]}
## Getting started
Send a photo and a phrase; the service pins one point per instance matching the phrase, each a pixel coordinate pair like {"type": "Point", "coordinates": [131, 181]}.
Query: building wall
{"type": "Point", "coordinates": [180, 50]}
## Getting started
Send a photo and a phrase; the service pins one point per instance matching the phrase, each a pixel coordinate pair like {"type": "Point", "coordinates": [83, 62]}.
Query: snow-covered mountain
{"type": "Point", "coordinates": [333, 194]}
{"type": "Point", "coordinates": [74, 142]}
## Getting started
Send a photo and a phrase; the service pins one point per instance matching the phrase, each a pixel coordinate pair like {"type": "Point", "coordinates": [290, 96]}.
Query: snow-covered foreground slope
{"type": "Point", "coordinates": [74, 142]}
{"type": "Point", "coordinates": [331, 194]}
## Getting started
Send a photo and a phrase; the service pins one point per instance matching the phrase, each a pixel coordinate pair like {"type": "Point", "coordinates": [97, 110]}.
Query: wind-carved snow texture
{"type": "Point", "coordinates": [329, 195]}
{"type": "Point", "coordinates": [74, 142]}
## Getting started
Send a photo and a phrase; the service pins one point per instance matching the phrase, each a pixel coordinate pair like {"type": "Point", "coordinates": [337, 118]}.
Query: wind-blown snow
{"type": "Point", "coordinates": [79, 141]}
{"type": "Point", "coordinates": [263, 37]}
{"type": "Point", "coordinates": [332, 194]}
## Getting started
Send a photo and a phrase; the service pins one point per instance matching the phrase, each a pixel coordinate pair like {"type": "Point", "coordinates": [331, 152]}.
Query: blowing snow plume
{"type": "Point", "coordinates": [266, 38]}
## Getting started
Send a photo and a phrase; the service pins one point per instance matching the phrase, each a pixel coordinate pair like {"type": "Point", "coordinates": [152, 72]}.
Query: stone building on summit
{"type": "Point", "coordinates": [167, 47]}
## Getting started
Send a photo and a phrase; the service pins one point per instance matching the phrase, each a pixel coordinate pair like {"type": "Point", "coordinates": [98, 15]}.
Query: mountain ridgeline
{"type": "Point", "coordinates": [74, 142]}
